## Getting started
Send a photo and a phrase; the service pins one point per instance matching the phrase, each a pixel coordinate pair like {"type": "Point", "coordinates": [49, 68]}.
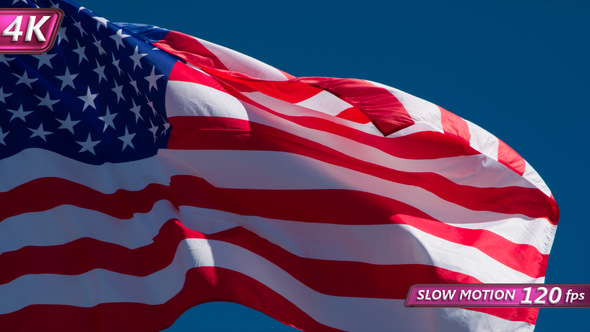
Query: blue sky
{"type": "Point", "coordinates": [519, 69]}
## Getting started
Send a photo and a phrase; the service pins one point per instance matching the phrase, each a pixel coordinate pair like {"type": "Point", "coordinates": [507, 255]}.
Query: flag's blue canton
{"type": "Point", "coordinates": [97, 96]}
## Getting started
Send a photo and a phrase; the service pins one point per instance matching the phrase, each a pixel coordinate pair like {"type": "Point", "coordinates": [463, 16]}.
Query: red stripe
{"type": "Point", "coordinates": [386, 112]}
{"type": "Point", "coordinates": [353, 114]}
{"type": "Point", "coordinates": [46, 193]}
{"type": "Point", "coordinates": [379, 105]}
{"type": "Point", "coordinates": [350, 207]}
{"type": "Point", "coordinates": [421, 145]}
{"type": "Point", "coordinates": [333, 206]}
{"type": "Point", "coordinates": [189, 49]}
{"type": "Point", "coordinates": [510, 200]}
{"type": "Point", "coordinates": [509, 157]}
{"type": "Point", "coordinates": [454, 125]}
{"type": "Point", "coordinates": [290, 91]}
{"type": "Point", "coordinates": [202, 285]}
{"type": "Point", "coordinates": [344, 278]}
{"type": "Point", "coordinates": [85, 254]}
{"type": "Point", "coordinates": [184, 73]}
{"type": "Point", "coordinates": [322, 206]}
{"type": "Point", "coordinates": [521, 257]}
{"type": "Point", "coordinates": [207, 123]}
{"type": "Point", "coordinates": [338, 278]}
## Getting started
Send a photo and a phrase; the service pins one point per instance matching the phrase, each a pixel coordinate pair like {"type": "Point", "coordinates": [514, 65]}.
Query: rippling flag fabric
{"type": "Point", "coordinates": [144, 171]}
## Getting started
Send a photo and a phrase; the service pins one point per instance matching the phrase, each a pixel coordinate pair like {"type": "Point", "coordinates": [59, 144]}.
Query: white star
{"type": "Point", "coordinates": [137, 111]}
{"type": "Point", "coordinates": [118, 38]}
{"type": "Point", "coordinates": [136, 57]}
{"type": "Point", "coordinates": [67, 79]}
{"type": "Point", "coordinates": [3, 136]}
{"type": "Point", "coordinates": [166, 127]}
{"type": "Point", "coordinates": [134, 85]}
{"type": "Point", "coordinates": [151, 105]}
{"type": "Point", "coordinates": [100, 21]}
{"type": "Point", "coordinates": [20, 113]}
{"type": "Point", "coordinates": [152, 79]}
{"type": "Point", "coordinates": [4, 59]}
{"type": "Point", "coordinates": [62, 35]}
{"type": "Point", "coordinates": [44, 59]}
{"type": "Point", "coordinates": [68, 124]}
{"type": "Point", "coordinates": [47, 101]}
{"type": "Point", "coordinates": [127, 139]}
{"type": "Point", "coordinates": [40, 132]}
{"type": "Point", "coordinates": [88, 145]}
{"type": "Point", "coordinates": [116, 64]}
{"type": "Point", "coordinates": [108, 120]}
{"type": "Point", "coordinates": [154, 130]}
{"type": "Point", "coordinates": [118, 89]}
{"type": "Point", "coordinates": [24, 79]}
{"type": "Point", "coordinates": [88, 99]}
{"type": "Point", "coordinates": [98, 44]}
{"type": "Point", "coordinates": [80, 51]}
{"type": "Point", "coordinates": [100, 71]}
{"type": "Point", "coordinates": [3, 95]}
{"type": "Point", "coordinates": [79, 26]}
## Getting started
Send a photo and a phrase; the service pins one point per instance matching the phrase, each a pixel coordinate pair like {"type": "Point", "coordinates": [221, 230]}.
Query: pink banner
{"type": "Point", "coordinates": [499, 295]}
{"type": "Point", "coordinates": [29, 31]}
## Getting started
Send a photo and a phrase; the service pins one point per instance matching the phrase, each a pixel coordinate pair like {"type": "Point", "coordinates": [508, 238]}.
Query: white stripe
{"type": "Point", "coordinates": [193, 99]}
{"type": "Point", "coordinates": [423, 111]}
{"type": "Point", "coordinates": [289, 109]}
{"type": "Point", "coordinates": [535, 232]}
{"type": "Point", "coordinates": [466, 259]}
{"type": "Point", "coordinates": [532, 176]}
{"type": "Point", "coordinates": [325, 102]}
{"type": "Point", "coordinates": [157, 288]}
{"type": "Point", "coordinates": [261, 170]}
{"type": "Point", "coordinates": [238, 62]}
{"type": "Point", "coordinates": [380, 243]}
{"type": "Point", "coordinates": [267, 170]}
{"type": "Point", "coordinates": [418, 127]}
{"type": "Point", "coordinates": [295, 110]}
{"type": "Point", "coordinates": [338, 242]}
{"type": "Point", "coordinates": [477, 171]}
{"type": "Point", "coordinates": [472, 170]}
{"type": "Point", "coordinates": [374, 244]}
{"type": "Point", "coordinates": [419, 109]}
{"type": "Point", "coordinates": [483, 141]}
{"type": "Point", "coordinates": [67, 223]}
{"type": "Point", "coordinates": [106, 178]}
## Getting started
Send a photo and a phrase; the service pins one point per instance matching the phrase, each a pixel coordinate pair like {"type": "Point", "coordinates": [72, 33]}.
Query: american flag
{"type": "Point", "coordinates": [144, 171]}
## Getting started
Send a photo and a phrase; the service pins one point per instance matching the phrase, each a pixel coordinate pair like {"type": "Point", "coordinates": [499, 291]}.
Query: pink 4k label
{"type": "Point", "coordinates": [29, 31]}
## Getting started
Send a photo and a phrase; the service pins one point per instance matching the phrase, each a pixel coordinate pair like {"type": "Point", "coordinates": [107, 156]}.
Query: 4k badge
{"type": "Point", "coordinates": [29, 31]}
